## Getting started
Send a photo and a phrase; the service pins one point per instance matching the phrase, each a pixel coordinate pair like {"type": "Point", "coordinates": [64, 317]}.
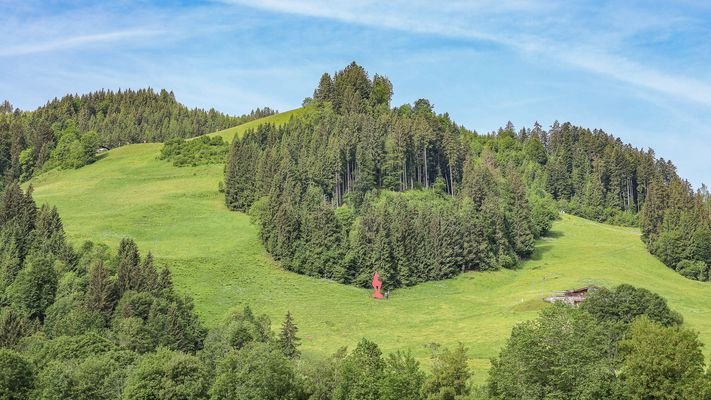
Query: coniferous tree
{"type": "Point", "coordinates": [128, 273]}
{"type": "Point", "coordinates": [100, 291]}
{"type": "Point", "coordinates": [288, 341]}
{"type": "Point", "coordinates": [324, 91]}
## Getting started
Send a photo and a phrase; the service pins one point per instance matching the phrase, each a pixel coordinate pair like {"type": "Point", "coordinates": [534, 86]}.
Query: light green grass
{"type": "Point", "coordinates": [276, 119]}
{"type": "Point", "coordinates": [216, 257]}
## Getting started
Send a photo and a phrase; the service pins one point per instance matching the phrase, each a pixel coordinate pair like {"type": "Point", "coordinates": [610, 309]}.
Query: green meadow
{"type": "Point", "coordinates": [216, 258]}
{"type": "Point", "coordinates": [277, 119]}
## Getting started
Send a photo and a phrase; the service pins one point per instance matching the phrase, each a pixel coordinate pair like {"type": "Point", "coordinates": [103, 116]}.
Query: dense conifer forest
{"type": "Point", "coordinates": [358, 186]}
{"type": "Point", "coordinates": [67, 132]}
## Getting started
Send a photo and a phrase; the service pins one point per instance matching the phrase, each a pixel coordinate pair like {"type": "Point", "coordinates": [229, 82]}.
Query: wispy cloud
{"type": "Point", "coordinates": [638, 71]}
{"type": "Point", "coordinates": [523, 26]}
{"type": "Point", "coordinates": [75, 41]}
{"type": "Point", "coordinates": [625, 70]}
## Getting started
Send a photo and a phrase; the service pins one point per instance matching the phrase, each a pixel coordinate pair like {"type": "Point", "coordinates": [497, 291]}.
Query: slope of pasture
{"type": "Point", "coordinates": [276, 119]}
{"type": "Point", "coordinates": [216, 257]}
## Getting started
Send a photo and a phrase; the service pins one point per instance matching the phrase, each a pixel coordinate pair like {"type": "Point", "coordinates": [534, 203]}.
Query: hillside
{"type": "Point", "coordinates": [217, 258]}
{"type": "Point", "coordinates": [277, 119]}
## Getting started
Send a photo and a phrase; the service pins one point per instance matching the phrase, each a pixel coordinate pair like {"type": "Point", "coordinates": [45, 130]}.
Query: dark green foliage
{"type": "Point", "coordinates": [237, 331]}
{"type": "Point", "coordinates": [626, 303]}
{"type": "Point", "coordinates": [49, 236]}
{"type": "Point", "coordinates": [240, 179]}
{"type": "Point", "coordinates": [288, 341]}
{"type": "Point", "coordinates": [133, 116]}
{"type": "Point", "coordinates": [16, 376]}
{"type": "Point", "coordinates": [324, 91]}
{"type": "Point", "coordinates": [190, 153]}
{"type": "Point", "coordinates": [80, 323]}
{"type": "Point", "coordinates": [622, 344]}
{"type": "Point", "coordinates": [67, 316]}
{"type": "Point", "coordinates": [244, 327]}
{"type": "Point", "coordinates": [41, 351]}
{"type": "Point", "coordinates": [101, 294]}
{"type": "Point", "coordinates": [402, 377]}
{"type": "Point", "coordinates": [361, 373]}
{"type": "Point", "coordinates": [354, 146]}
{"type": "Point", "coordinates": [297, 178]}
{"type": "Point", "coordinates": [543, 213]}
{"type": "Point", "coordinates": [450, 375]}
{"type": "Point", "coordinates": [671, 247]}
{"type": "Point", "coordinates": [67, 132]}
{"type": "Point", "coordinates": [676, 225]}
{"type": "Point", "coordinates": [74, 149]}
{"type": "Point", "coordinates": [167, 375]}
{"type": "Point", "coordinates": [662, 362]}
{"type": "Point", "coordinates": [320, 377]}
{"type": "Point", "coordinates": [565, 353]}
{"type": "Point", "coordinates": [143, 321]}
{"type": "Point", "coordinates": [18, 213]}
{"type": "Point", "coordinates": [34, 288]}
{"type": "Point", "coordinates": [696, 270]}
{"type": "Point", "coordinates": [128, 261]}
{"type": "Point", "coordinates": [96, 377]}
{"type": "Point", "coordinates": [258, 371]}
{"type": "Point", "coordinates": [14, 325]}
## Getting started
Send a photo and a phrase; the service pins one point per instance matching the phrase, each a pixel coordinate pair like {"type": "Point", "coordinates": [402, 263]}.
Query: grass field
{"type": "Point", "coordinates": [216, 258]}
{"type": "Point", "coordinates": [278, 119]}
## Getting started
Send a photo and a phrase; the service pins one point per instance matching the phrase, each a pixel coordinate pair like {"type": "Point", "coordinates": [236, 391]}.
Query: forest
{"type": "Point", "coordinates": [67, 132]}
{"type": "Point", "coordinates": [358, 186]}
{"type": "Point", "coordinates": [88, 323]}
{"type": "Point", "coordinates": [353, 187]}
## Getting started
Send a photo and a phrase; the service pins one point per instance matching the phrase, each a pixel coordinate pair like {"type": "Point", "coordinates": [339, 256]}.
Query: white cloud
{"type": "Point", "coordinates": [631, 72]}
{"type": "Point", "coordinates": [74, 41]}
{"type": "Point", "coordinates": [551, 30]}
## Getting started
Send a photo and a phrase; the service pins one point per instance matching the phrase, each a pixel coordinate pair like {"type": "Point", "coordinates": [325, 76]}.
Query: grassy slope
{"type": "Point", "coordinates": [278, 119]}
{"type": "Point", "coordinates": [216, 257]}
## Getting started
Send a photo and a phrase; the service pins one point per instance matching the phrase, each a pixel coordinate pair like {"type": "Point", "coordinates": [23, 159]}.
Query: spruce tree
{"type": "Point", "coordinates": [128, 266]}
{"type": "Point", "coordinates": [288, 341]}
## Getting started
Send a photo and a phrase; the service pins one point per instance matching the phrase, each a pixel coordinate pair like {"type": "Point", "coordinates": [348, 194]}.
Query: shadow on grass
{"type": "Point", "coordinates": [545, 245]}
{"type": "Point", "coordinates": [101, 156]}
{"type": "Point", "coordinates": [553, 235]}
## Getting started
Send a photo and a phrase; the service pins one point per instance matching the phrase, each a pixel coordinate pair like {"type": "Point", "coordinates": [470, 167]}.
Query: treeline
{"type": "Point", "coordinates": [133, 116]}
{"type": "Point", "coordinates": [676, 225]}
{"type": "Point", "coordinates": [593, 175]}
{"type": "Point", "coordinates": [29, 139]}
{"type": "Point", "coordinates": [331, 190]}
{"type": "Point", "coordinates": [89, 324]}
{"type": "Point", "coordinates": [354, 146]}
{"type": "Point", "coordinates": [619, 344]}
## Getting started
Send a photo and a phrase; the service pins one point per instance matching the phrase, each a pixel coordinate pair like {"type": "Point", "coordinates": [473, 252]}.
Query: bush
{"type": "Point", "coordinates": [167, 375]}
{"type": "Point", "coordinates": [190, 153]}
{"type": "Point", "coordinates": [696, 270]}
{"type": "Point", "coordinates": [16, 376]}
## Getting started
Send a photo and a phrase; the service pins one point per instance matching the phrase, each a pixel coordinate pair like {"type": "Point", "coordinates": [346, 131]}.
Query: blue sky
{"type": "Point", "coordinates": [637, 69]}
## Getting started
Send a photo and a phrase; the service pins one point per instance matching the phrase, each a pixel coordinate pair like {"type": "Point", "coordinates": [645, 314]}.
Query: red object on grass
{"type": "Point", "coordinates": [377, 285]}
